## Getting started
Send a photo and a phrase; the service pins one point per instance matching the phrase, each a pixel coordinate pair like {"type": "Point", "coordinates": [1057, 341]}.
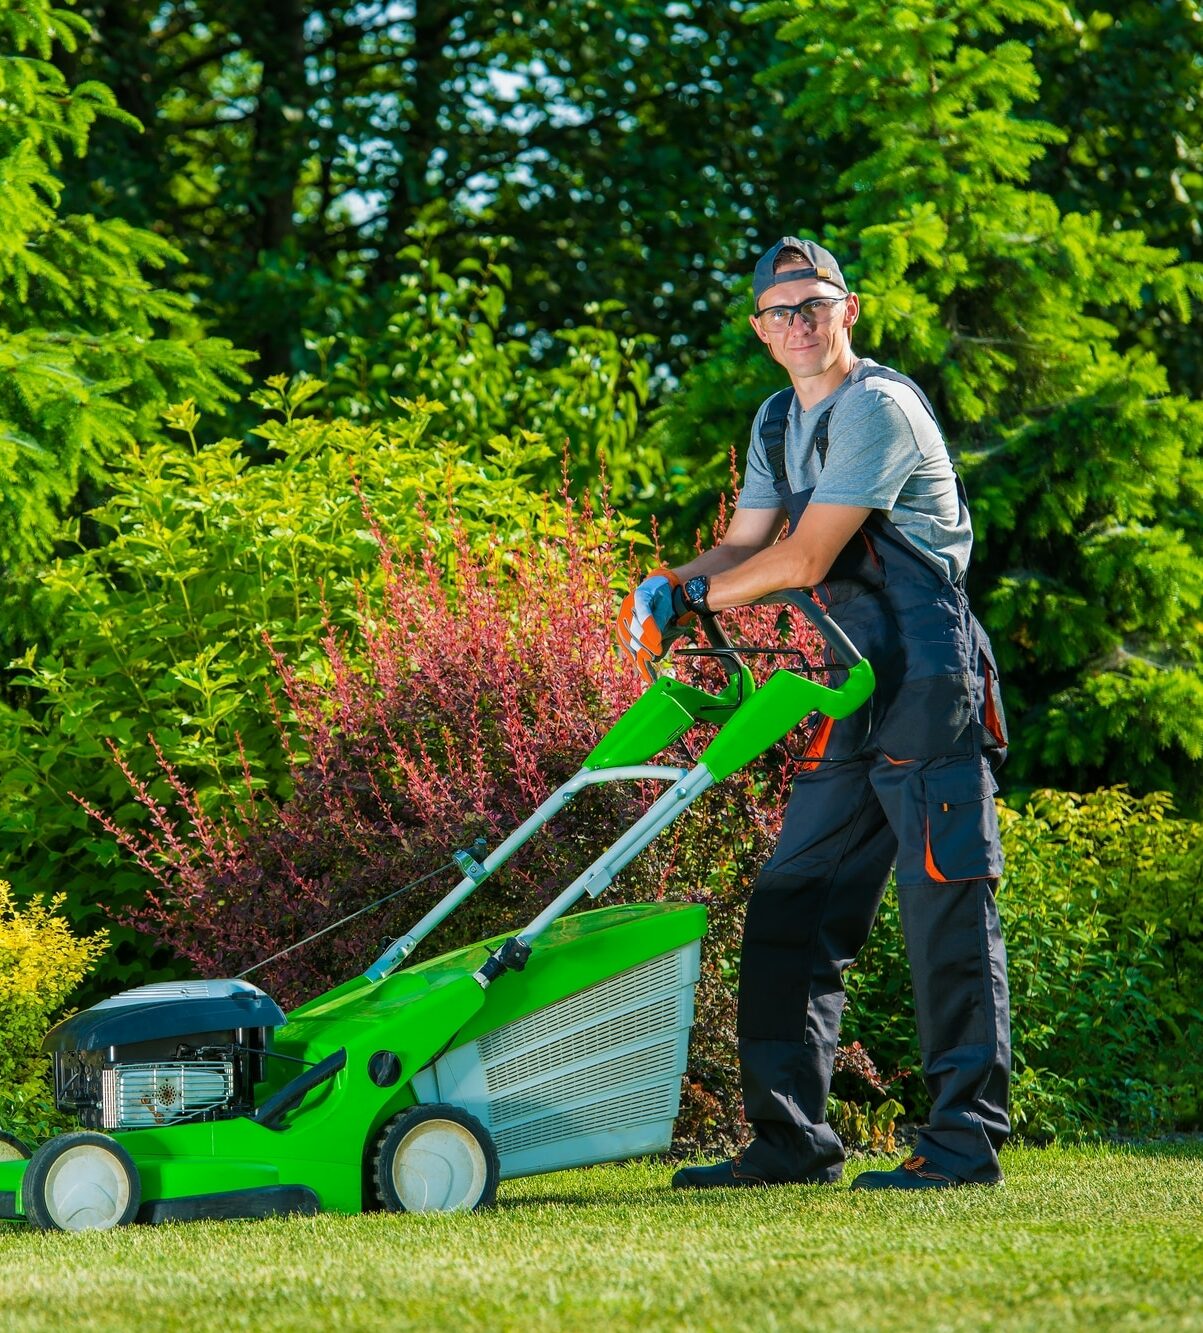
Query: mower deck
{"type": "Point", "coordinates": [432, 1034]}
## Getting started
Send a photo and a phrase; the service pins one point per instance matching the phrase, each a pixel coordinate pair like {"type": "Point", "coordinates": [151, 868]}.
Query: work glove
{"type": "Point", "coordinates": [647, 619]}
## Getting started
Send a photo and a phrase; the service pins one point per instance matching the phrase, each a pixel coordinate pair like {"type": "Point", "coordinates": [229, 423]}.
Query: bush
{"type": "Point", "coordinates": [41, 963]}
{"type": "Point", "coordinates": [444, 334]}
{"type": "Point", "coordinates": [161, 627]}
{"type": "Point", "coordinates": [1120, 880]}
{"type": "Point", "coordinates": [1101, 911]}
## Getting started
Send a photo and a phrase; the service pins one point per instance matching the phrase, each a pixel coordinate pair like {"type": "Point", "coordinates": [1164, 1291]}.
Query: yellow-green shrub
{"type": "Point", "coordinates": [41, 963]}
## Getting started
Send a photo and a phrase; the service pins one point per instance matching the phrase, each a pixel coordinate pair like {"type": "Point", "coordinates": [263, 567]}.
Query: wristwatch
{"type": "Point", "coordinates": [694, 593]}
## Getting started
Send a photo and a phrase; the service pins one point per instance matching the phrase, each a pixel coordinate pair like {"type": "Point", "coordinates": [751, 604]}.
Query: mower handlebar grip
{"type": "Point", "coordinates": [846, 652]}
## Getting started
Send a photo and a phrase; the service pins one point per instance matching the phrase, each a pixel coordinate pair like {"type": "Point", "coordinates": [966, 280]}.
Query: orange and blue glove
{"type": "Point", "coordinates": [646, 618]}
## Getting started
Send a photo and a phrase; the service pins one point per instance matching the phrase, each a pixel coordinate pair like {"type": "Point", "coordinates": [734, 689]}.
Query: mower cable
{"type": "Point", "coordinates": [317, 934]}
{"type": "Point", "coordinates": [742, 651]}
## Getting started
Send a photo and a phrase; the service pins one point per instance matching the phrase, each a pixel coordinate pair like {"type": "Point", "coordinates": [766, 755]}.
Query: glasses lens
{"type": "Point", "coordinates": [818, 310]}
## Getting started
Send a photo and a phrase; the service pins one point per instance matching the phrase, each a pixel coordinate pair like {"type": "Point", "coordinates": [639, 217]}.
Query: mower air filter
{"type": "Point", "coordinates": [592, 1078]}
{"type": "Point", "coordinates": [139, 1096]}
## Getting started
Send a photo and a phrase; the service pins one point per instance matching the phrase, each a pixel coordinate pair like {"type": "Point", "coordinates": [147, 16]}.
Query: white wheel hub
{"type": "Point", "coordinates": [439, 1167]}
{"type": "Point", "coordinates": [87, 1187]}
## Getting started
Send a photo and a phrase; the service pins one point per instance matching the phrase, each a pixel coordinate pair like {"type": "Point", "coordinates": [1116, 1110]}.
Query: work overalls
{"type": "Point", "coordinates": [908, 780]}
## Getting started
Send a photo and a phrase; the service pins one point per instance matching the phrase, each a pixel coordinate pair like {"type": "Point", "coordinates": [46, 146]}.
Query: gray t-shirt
{"type": "Point", "coordinates": [884, 452]}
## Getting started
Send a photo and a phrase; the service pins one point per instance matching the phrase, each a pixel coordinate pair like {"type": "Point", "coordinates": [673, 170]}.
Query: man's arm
{"type": "Point", "coordinates": [742, 569]}
{"type": "Point", "coordinates": [749, 532]}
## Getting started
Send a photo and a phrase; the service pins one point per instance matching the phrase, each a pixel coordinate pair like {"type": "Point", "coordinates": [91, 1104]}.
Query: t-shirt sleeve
{"type": "Point", "coordinates": [758, 491]}
{"type": "Point", "coordinates": [871, 452]}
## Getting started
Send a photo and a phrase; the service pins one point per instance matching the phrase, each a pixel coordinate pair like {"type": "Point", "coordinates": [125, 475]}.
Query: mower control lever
{"type": "Point", "coordinates": [292, 1094]}
{"type": "Point", "coordinates": [842, 648]}
{"type": "Point", "coordinates": [717, 636]}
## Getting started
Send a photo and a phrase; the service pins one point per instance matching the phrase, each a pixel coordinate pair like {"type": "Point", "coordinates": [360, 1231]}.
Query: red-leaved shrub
{"type": "Point", "coordinates": [465, 701]}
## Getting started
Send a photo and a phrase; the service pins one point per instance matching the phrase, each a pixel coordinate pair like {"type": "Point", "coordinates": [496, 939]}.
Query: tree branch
{"type": "Point", "coordinates": [548, 134]}
{"type": "Point", "coordinates": [200, 60]}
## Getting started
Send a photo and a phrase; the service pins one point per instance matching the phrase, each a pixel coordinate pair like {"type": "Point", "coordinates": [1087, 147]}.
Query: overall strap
{"type": "Point", "coordinates": [864, 372]}
{"type": "Point", "coordinates": [772, 432]}
{"type": "Point", "coordinates": [820, 440]}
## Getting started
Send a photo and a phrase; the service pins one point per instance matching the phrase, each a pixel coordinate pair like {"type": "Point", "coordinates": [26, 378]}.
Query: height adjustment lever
{"type": "Point", "coordinates": [510, 957]}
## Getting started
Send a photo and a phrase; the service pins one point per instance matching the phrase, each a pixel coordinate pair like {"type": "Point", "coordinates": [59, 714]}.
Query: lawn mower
{"type": "Point", "coordinates": [417, 1088]}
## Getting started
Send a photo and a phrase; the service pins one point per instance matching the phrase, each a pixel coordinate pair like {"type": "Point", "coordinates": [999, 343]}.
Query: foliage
{"type": "Point", "coordinates": [1144, 866]}
{"type": "Point", "coordinates": [445, 336]}
{"type": "Point", "coordinates": [161, 629]}
{"type": "Point", "coordinates": [90, 349]}
{"type": "Point", "coordinates": [450, 720]}
{"type": "Point", "coordinates": [1084, 471]}
{"type": "Point", "coordinates": [41, 963]}
{"type": "Point", "coordinates": [865, 1127]}
{"type": "Point", "coordinates": [1101, 914]}
{"type": "Point", "coordinates": [289, 147]}
{"type": "Point", "coordinates": [625, 150]}
{"type": "Point", "coordinates": [1123, 81]}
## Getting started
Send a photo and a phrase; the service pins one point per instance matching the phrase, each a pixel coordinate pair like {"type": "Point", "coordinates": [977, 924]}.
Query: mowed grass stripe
{"type": "Point", "coordinates": [1078, 1238]}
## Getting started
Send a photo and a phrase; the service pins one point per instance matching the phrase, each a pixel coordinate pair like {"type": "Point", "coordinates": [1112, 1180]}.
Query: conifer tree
{"type": "Point", "coordinates": [90, 350]}
{"type": "Point", "coordinates": [1084, 471]}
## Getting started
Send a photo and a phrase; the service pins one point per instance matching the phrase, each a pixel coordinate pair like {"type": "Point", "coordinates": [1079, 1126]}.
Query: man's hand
{"type": "Point", "coordinates": [644, 619]}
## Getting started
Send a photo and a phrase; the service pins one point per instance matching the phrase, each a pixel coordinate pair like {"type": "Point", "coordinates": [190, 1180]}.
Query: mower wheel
{"type": "Point", "coordinates": [12, 1149]}
{"type": "Point", "coordinates": [81, 1182]}
{"type": "Point", "coordinates": [435, 1159]}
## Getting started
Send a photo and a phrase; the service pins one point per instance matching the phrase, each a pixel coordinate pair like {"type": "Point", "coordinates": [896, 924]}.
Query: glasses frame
{"type": "Point", "coordinates": [801, 309]}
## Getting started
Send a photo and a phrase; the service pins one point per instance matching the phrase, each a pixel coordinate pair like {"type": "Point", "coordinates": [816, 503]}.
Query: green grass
{"type": "Point", "coordinates": [1078, 1238]}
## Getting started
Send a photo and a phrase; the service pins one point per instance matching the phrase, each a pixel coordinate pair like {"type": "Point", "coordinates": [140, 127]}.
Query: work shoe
{"type": "Point", "coordinates": [719, 1175]}
{"type": "Point", "coordinates": [732, 1173]}
{"type": "Point", "coordinates": [916, 1173]}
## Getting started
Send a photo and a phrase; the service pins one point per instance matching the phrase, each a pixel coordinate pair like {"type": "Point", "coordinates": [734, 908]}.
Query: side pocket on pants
{"type": "Point", "coordinates": [960, 826]}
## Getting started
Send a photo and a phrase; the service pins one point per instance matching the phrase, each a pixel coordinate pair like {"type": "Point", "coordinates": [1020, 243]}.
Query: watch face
{"type": "Point", "coordinates": [695, 592]}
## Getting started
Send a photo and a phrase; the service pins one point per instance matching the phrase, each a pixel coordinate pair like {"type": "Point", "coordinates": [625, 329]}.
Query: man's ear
{"type": "Point", "coordinates": [760, 333]}
{"type": "Point", "coordinates": [851, 310]}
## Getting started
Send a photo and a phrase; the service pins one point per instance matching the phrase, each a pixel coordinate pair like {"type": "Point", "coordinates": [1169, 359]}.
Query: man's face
{"type": "Point", "coordinates": [801, 350]}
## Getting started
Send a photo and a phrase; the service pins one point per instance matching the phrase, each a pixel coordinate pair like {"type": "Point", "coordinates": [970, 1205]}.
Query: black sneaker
{"type": "Point", "coordinates": [916, 1173]}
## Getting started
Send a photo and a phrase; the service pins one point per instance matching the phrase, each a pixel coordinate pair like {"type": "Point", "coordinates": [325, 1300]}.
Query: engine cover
{"type": "Point", "coordinates": [171, 1052]}
{"type": "Point", "coordinates": [165, 1010]}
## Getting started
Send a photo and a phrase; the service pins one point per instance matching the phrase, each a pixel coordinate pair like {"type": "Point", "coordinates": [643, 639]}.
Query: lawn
{"type": "Point", "coordinates": [1084, 1237]}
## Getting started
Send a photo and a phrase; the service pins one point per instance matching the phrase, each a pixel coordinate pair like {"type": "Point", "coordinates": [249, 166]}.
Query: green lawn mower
{"type": "Point", "coordinates": [419, 1088]}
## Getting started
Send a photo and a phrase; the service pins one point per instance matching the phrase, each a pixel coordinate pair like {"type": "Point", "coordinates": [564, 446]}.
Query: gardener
{"type": "Point", "coordinates": [851, 458]}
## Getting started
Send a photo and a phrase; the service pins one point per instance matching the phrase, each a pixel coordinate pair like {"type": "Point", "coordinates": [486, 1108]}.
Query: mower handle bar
{"type": "Point", "coordinates": [842, 647]}
{"type": "Point", "coordinates": [686, 786]}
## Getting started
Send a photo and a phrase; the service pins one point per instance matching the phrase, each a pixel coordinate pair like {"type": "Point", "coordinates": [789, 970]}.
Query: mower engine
{"type": "Point", "coordinates": [161, 1054]}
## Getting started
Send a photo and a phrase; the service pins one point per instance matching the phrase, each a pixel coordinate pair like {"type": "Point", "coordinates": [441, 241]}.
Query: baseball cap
{"type": "Point", "coordinates": [819, 263]}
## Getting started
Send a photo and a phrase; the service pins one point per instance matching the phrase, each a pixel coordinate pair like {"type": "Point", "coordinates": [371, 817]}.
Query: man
{"type": "Point", "coordinates": [851, 462]}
